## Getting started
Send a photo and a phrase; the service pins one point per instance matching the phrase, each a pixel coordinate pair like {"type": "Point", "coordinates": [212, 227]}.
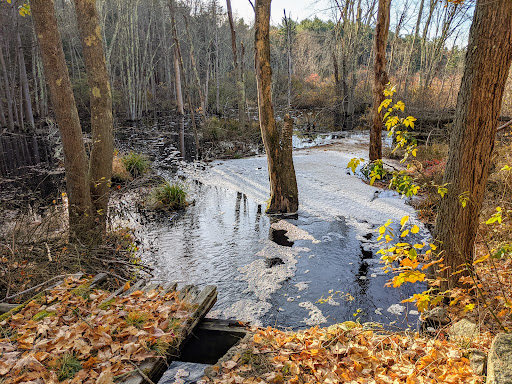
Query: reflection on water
{"type": "Point", "coordinates": [266, 273]}
{"type": "Point", "coordinates": [166, 140]}
{"type": "Point", "coordinates": [224, 232]}
{"type": "Point", "coordinates": [221, 232]}
{"type": "Point", "coordinates": [18, 151]}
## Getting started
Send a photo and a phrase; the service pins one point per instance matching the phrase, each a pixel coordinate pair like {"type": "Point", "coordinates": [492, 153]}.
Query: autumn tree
{"type": "Point", "coordinates": [488, 60]}
{"type": "Point", "coordinates": [87, 184]}
{"type": "Point", "coordinates": [278, 143]}
{"type": "Point", "coordinates": [380, 77]}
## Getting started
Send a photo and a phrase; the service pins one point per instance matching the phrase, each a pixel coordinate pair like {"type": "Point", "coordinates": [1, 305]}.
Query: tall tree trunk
{"type": "Point", "coordinates": [338, 97]}
{"type": "Point", "coordinates": [424, 45]}
{"type": "Point", "coordinates": [7, 89]}
{"type": "Point", "coordinates": [3, 122]}
{"type": "Point", "coordinates": [408, 60]}
{"type": "Point", "coordinates": [380, 77]}
{"type": "Point", "coordinates": [177, 59]}
{"type": "Point", "coordinates": [61, 94]}
{"type": "Point", "coordinates": [100, 164]}
{"type": "Point", "coordinates": [289, 60]}
{"type": "Point", "coordinates": [239, 75]}
{"type": "Point", "coordinates": [34, 76]}
{"type": "Point", "coordinates": [194, 69]}
{"type": "Point", "coordinates": [488, 59]}
{"type": "Point", "coordinates": [278, 146]}
{"type": "Point", "coordinates": [24, 83]}
{"type": "Point", "coordinates": [217, 61]}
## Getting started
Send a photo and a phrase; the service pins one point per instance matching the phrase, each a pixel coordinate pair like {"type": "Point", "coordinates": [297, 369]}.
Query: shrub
{"type": "Point", "coordinates": [135, 163]}
{"type": "Point", "coordinates": [170, 196]}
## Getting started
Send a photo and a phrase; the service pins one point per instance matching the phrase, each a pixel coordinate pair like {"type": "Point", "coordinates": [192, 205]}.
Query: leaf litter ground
{"type": "Point", "coordinates": [344, 353]}
{"type": "Point", "coordinates": [77, 335]}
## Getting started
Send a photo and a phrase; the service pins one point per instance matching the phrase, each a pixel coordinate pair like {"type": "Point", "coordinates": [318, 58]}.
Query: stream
{"type": "Point", "coordinates": [318, 269]}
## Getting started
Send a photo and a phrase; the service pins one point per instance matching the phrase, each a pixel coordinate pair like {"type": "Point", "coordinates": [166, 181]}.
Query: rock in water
{"type": "Point", "coordinates": [499, 364]}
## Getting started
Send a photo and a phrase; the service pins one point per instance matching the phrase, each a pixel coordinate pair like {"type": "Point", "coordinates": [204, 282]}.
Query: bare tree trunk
{"type": "Point", "coordinates": [396, 35]}
{"type": "Point", "coordinates": [57, 76]}
{"type": "Point", "coordinates": [408, 60]}
{"type": "Point", "coordinates": [34, 76]}
{"type": "Point", "coordinates": [473, 134]}
{"type": "Point", "coordinates": [433, 4]}
{"type": "Point", "coordinates": [380, 77]}
{"type": "Point", "coordinates": [100, 165]}
{"type": "Point", "coordinates": [21, 120]}
{"type": "Point", "coordinates": [217, 61]}
{"type": "Point", "coordinates": [337, 91]}
{"type": "Point", "coordinates": [7, 89]}
{"type": "Point", "coordinates": [194, 69]}
{"type": "Point", "coordinates": [239, 76]}
{"type": "Point", "coordinates": [3, 122]}
{"type": "Point", "coordinates": [278, 146]}
{"type": "Point", "coordinates": [24, 83]}
{"type": "Point", "coordinates": [207, 79]}
{"type": "Point", "coordinates": [177, 59]}
{"type": "Point", "coordinates": [289, 60]}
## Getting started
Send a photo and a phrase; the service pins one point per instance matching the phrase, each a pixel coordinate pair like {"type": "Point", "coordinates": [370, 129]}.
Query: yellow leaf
{"type": "Point", "coordinates": [404, 233]}
{"type": "Point", "coordinates": [415, 229]}
{"type": "Point", "coordinates": [480, 260]}
{"type": "Point", "coordinates": [469, 307]}
{"type": "Point", "coordinates": [404, 220]}
{"type": "Point", "coordinates": [257, 338]}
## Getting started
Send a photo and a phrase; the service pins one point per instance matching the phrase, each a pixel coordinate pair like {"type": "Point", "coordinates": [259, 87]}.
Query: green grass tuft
{"type": "Point", "coordinates": [171, 196]}
{"type": "Point", "coordinates": [68, 365]}
{"type": "Point", "coordinates": [137, 319]}
{"type": "Point", "coordinates": [135, 163]}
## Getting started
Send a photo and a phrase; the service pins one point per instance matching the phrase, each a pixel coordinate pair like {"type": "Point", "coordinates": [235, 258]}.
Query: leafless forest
{"type": "Point", "coordinates": [323, 65]}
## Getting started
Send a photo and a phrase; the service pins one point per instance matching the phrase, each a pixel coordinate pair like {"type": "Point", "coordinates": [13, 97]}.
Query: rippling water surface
{"type": "Point", "coordinates": [319, 268]}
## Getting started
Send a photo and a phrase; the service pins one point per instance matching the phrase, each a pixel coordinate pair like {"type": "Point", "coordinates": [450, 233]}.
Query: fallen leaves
{"type": "Point", "coordinates": [345, 354]}
{"type": "Point", "coordinates": [78, 328]}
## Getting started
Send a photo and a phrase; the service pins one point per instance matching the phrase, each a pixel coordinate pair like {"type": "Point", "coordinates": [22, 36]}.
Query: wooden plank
{"type": "Point", "coordinates": [99, 278]}
{"type": "Point", "coordinates": [184, 291]}
{"type": "Point", "coordinates": [204, 300]}
{"type": "Point", "coordinates": [135, 287]}
{"type": "Point", "coordinates": [6, 307]}
{"type": "Point", "coordinates": [170, 288]}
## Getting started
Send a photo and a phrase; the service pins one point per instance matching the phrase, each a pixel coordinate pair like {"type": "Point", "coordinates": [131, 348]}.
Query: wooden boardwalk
{"type": "Point", "coordinates": [151, 369]}
{"type": "Point", "coordinates": [202, 301]}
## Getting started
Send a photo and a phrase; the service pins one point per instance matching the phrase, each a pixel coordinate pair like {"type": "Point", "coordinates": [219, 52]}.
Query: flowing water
{"type": "Point", "coordinates": [319, 268]}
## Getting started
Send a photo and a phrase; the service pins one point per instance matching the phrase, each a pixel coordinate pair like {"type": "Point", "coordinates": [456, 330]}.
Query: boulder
{"type": "Point", "coordinates": [477, 361]}
{"type": "Point", "coordinates": [499, 363]}
{"type": "Point", "coordinates": [434, 319]}
{"type": "Point", "coordinates": [463, 330]}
